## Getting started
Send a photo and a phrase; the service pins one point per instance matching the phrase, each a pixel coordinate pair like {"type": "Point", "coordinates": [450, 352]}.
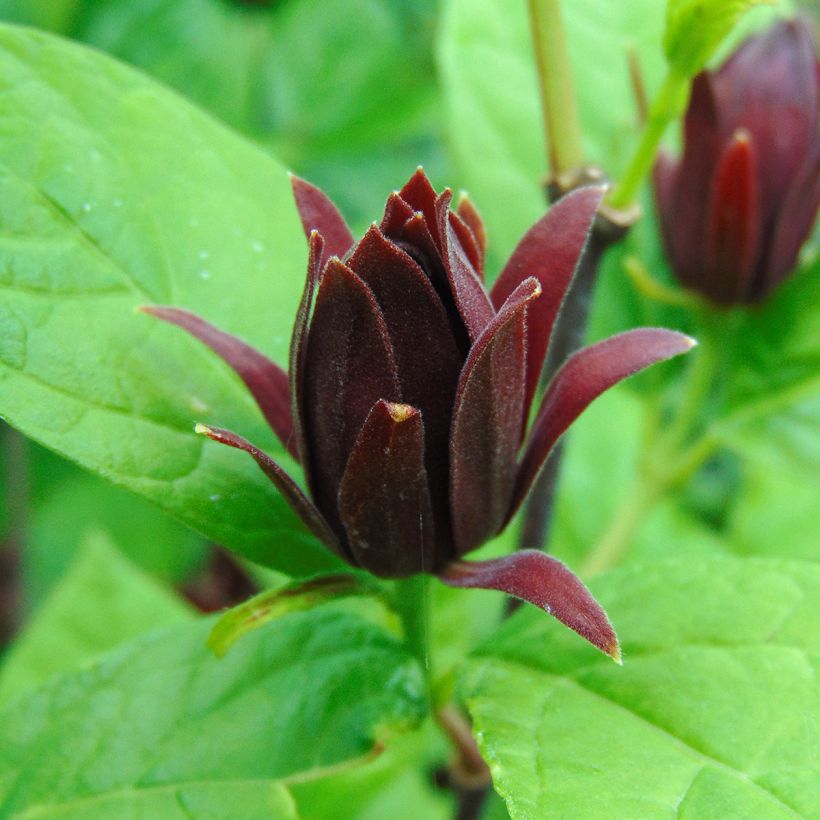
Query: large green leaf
{"type": "Point", "coordinates": [318, 690]}
{"type": "Point", "coordinates": [116, 193]}
{"type": "Point", "coordinates": [712, 715]}
{"type": "Point", "coordinates": [103, 601]}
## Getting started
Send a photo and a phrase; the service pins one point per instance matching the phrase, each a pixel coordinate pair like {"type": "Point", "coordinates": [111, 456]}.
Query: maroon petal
{"type": "Point", "coordinates": [585, 375]}
{"type": "Point", "coordinates": [702, 147]}
{"type": "Point", "coordinates": [420, 195]}
{"type": "Point", "coordinates": [471, 299]}
{"type": "Point", "coordinates": [487, 419]}
{"type": "Point", "coordinates": [427, 358]}
{"type": "Point", "coordinates": [733, 223]}
{"type": "Point", "coordinates": [794, 222]}
{"type": "Point", "coordinates": [396, 213]}
{"type": "Point", "coordinates": [549, 251]}
{"type": "Point", "coordinates": [349, 365]}
{"type": "Point", "coordinates": [468, 243]}
{"type": "Point", "coordinates": [665, 177]}
{"type": "Point", "coordinates": [384, 499]}
{"type": "Point", "coordinates": [545, 582]}
{"type": "Point", "coordinates": [472, 219]}
{"type": "Point", "coordinates": [318, 213]}
{"type": "Point", "coordinates": [298, 501]}
{"type": "Point", "coordinates": [296, 368]}
{"type": "Point", "coordinates": [267, 381]}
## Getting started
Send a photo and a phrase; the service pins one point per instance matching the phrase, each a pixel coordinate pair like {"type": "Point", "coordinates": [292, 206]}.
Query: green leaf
{"type": "Point", "coordinates": [250, 800]}
{"type": "Point", "coordinates": [398, 779]}
{"type": "Point", "coordinates": [163, 713]}
{"type": "Point", "coordinates": [710, 716]}
{"type": "Point", "coordinates": [116, 193]}
{"type": "Point", "coordinates": [695, 30]}
{"type": "Point", "coordinates": [103, 601]}
{"type": "Point", "coordinates": [78, 502]}
{"type": "Point", "coordinates": [273, 604]}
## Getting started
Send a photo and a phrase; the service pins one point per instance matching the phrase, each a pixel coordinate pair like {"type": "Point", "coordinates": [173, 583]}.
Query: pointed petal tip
{"type": "Point", "coordinates": [202, 429]}
{"type": "Point", "coordinates": [614, 652]}
{"type": "Point", "coordinates": [401, 412]}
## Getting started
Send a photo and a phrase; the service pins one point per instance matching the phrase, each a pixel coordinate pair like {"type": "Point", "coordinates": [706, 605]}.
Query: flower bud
{"type": "Point", "coordinates": [410, 384]}
{"type": "Point", "coordinates": [743, 197]}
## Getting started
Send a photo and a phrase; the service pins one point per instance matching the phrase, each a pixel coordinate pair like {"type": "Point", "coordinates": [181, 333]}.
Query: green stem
{"type": "Point", "coordinates": [667, 106]}
{"type": "Point", "coordinates": [411, 600]}
{"type": "Point", "coordinates": [562, 124]}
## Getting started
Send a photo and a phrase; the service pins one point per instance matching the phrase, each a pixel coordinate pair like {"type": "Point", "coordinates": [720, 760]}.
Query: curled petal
{"type": "Point", "coordinates": [318, 213]}
{"type": "Point", "coordinates": [298, 501]}
{"type": "Point", "coordinates": [468, 243]}
{"type": "Point", "coordinates": [545, 582]}
{"type": "Point", "coordinates": [471, 299]}
{"type": "Point", "coordinates": [349, 365]}
{"type": "Point", "coordinates": [584, 376]}
{"type": "Point", "coordinates": [267, 382]}
{"type": "Point", "coordinates": [487, 419]}
{"type": "Point", "coordinates": [469, 214]}
{"type": "Point", "coordinates": [296, 369]}
{"type": "Point", "coordinates": [384, 498]}
{"type": "Point", "coordinates": [549, 251]}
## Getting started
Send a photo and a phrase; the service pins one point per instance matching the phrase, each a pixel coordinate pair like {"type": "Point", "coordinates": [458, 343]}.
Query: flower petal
{"type": "Point", "coordinates": [384, 498]}
{"type": "Point", "coordinates": [396, 213]}
{"type": "Point", "coordinates": [349, 365]}
{"type": "Point", "coordinates": [733, 224]}
{"type": "Point", "coordinates": [702, 148]}
{"type": "Point", "coordinates": [318, 213]}
{"type": "Point", "coordinates": [468, 243]}
{"type": "Point", "coordinates": [549, 251]}
{"type": "Point", "coordinates": [487, 420]}
{"type": "Point", "coordinates": [428, 361]}
{"type": "Point", "coordinates": [665, 178]}
{"type": "Point", "coordinates": [584, 376]}
{"type": "Point", "coordinates": [298, 501]}
{"type": "Point", "coordinates": [267, 382]}
{"type": "Point", "coordinates": [472, 219]}
{"type": "Point", "coordinates": [794, 222]}
{"type": "Point", "coordinates": [420, 195]}
{"type": "Point", "coordinates": [471, 299]}
{"type": "Point", "coordinates": [296, 368]}
{"type": "Point", "coordinates": [545, 582]}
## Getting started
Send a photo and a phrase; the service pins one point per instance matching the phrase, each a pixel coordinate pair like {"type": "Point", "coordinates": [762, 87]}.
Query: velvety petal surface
{"type": "Point", "coordinates": [396, 213]}
{"type": "Point", "coordinates": [469, 214]}
{"type": "Point", "coordinates": [296, 369]}
{"type": "Point", "coordinates": [733, 224]}
{"type": "Point", "coordinates": [487, 419]}
{"type": "Point", "coordinates": [318, 213]}
{"type": "Point", "coordinates": [267, 382]}
{"type": "Point", "coordinates": [420, 195]}
{"type": "Point", "coordinates": [545, 582]}
{"type": "Point", "coordinates": [549, 251]}
{"type": "Point", "coordinates": [300, 503]}
{"type": "Point", "coordinates": [468, 243]}
{"type": "Point", "coordinates": [349, 365]}
{"type": "Point", "coordinates": [585, 375]}
{"type": "Point", "coordinates": [428, 361]}
{"type": "Point", "coordinates": [471, 299]}
{"type": "Point", "coordinates": [384, 498]}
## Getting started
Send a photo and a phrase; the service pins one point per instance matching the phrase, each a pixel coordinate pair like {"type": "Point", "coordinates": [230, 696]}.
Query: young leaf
{"type": "Point", "coordinates": [103, 601]}
{"type": "Point", "coordinates": [150, 715]}
{"type": "Point", "coordinates": [275, 603]}
{"type": "Point", "coordinates": [132, 197]}
{"type": "Point", "coordinates": [696, 28]}
{"type": "Point", "coordinates": [709, 715]}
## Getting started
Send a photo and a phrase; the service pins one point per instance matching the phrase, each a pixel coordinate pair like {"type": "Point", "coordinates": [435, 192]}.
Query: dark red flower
{"type": "Point", "coordinates": [742, 199]}
{"type": "Point", "coordinates": [410, 385]}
